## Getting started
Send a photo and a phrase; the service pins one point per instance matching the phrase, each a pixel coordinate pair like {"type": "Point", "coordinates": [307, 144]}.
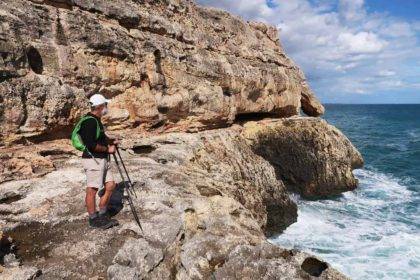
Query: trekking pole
{"type": "Point", "coordinates": [130, 200]}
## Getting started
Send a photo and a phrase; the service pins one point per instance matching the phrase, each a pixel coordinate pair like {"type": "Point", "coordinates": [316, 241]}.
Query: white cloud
{"type": "Point", "coordinates": [399, 29]}
{"type": "Point", "coordinates": [344, 67]}
{"type": "Point", "coordinates": [339, 44]}
{"type": "Point", "coordinates": [352, 10]}
{"type": "Point", "coordinates": [362, 42]}
{"type": "Point", "coordinates": [416, 25]}
{"type": "Point", "coordinates": [386, 73]}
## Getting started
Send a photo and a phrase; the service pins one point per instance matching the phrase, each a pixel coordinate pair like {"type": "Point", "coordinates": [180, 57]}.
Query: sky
{"type": "Point", "coordinates": [352, 51]}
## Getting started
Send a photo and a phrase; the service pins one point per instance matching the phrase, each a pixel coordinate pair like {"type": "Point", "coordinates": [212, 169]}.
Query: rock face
{"type": "Point", "coordinates": [17, 162]}
{"type": "Point", "coordinates": [310, 156]}
{"type": "Point", "coordinates": [169, 64]}
{"type": "Point", "coordinates": [205, 202]}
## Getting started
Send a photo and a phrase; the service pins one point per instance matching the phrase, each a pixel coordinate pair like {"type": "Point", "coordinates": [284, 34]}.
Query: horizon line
{"type": "Point", "coordinates": [344, 103]}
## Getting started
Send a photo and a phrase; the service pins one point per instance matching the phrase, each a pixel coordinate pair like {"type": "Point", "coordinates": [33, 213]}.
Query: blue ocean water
{"type": "Point", "coordinates": [374, 231]}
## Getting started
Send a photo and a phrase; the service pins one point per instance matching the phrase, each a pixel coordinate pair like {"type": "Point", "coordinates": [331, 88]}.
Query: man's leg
{"type": "Point", "coordinates": [100, 220]}
{"type": "Point", "coordinates": [90, 200]}
{"type": "Point", "coordinates": [94, 177]}
{"type": "Point", "coordinates": [103, 202]}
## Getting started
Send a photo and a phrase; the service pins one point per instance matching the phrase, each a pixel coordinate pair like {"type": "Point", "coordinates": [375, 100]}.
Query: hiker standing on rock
{"type": "Point", "coordinates": [89, 136]}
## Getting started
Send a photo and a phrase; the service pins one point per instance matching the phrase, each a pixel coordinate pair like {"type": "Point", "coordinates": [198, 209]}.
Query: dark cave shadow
{"type": "Point", "coordinates": [335, 197]}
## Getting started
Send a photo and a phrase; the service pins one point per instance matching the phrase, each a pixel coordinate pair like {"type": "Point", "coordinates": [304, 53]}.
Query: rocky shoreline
{"type": "Point", "coordinates": [207, 204]}
{"type": "Point", "coordinates": [208, 107]}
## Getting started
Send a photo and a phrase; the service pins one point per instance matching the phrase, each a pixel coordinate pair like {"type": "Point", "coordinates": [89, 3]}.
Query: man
{"type": "Point", "coordinates": [95, 161]}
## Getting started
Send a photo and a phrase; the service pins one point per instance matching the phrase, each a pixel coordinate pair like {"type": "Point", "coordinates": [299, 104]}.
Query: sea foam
{"type": "Point", "coordinates": [370, 233]}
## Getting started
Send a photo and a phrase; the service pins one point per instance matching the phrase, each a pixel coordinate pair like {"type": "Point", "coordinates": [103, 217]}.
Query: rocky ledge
{"type": "Point", "coordinates": [207, 202]}
{"type": "Point", "coordinates": [209, 109]}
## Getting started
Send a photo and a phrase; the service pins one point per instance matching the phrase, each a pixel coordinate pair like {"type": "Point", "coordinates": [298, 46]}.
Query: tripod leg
{"type": "Point", "coordinates": [127, 187]}
{"type": "Point", "coordinates": [130, 201]}
{"type": "Point", "coordinates": [125, 169]}
{"type": "Point", "coordinates": [134, 212]}
{"type": "Point", "coordinates": [126, 173]}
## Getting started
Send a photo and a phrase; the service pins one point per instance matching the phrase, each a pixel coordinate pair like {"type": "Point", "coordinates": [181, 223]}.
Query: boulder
{"type": "Point", "coordinates": [312, 157]}
{"type": "Point", "coordinates": [267, 261]}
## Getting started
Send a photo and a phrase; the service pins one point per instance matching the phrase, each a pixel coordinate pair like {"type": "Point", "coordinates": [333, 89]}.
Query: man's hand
{"type": "Point", "coordinates": [112, 149]}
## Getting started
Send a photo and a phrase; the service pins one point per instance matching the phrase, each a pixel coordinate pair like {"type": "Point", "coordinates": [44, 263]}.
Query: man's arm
{"type": "Point", "coordinates": [112, 140]}
{"type": "Point", "coordinates": [100, 149]}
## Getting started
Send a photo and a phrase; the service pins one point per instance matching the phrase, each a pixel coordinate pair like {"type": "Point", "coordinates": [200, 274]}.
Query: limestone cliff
{"type": "Point", "coordinates": [164, 63]}
{"type": "Point", "coordinates": [185, 82]}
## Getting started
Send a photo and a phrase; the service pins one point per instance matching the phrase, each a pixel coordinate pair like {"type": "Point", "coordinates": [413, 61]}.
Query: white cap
{"type": "Point", "coordinates": [98, 99]}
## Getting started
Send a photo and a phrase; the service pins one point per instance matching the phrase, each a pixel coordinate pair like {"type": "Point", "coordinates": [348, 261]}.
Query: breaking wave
{"type": "Point", "coordinates": [371, 233]}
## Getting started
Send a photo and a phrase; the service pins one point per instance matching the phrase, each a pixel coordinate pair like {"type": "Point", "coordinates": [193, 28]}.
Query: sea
{"type": "Point", "coordinates": [374, 231]}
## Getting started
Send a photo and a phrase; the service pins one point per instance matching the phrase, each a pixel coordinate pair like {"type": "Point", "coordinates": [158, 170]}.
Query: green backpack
{"type": "Point", "coordinates": [76, 140]}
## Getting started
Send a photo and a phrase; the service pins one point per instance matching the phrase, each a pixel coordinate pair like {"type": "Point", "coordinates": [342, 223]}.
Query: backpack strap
{"type": "Point", "coordinates": [98, 129]}
{"type": "Point", "coordinates": [98, 132]}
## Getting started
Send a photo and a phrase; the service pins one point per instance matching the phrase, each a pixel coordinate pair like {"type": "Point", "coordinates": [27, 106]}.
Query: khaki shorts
{"type": "Point", "coordinates": [96, 170]}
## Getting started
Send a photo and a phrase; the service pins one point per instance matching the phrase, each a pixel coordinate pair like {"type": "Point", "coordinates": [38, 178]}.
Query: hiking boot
{"type": "Point", "coordinates": [103, 222]}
